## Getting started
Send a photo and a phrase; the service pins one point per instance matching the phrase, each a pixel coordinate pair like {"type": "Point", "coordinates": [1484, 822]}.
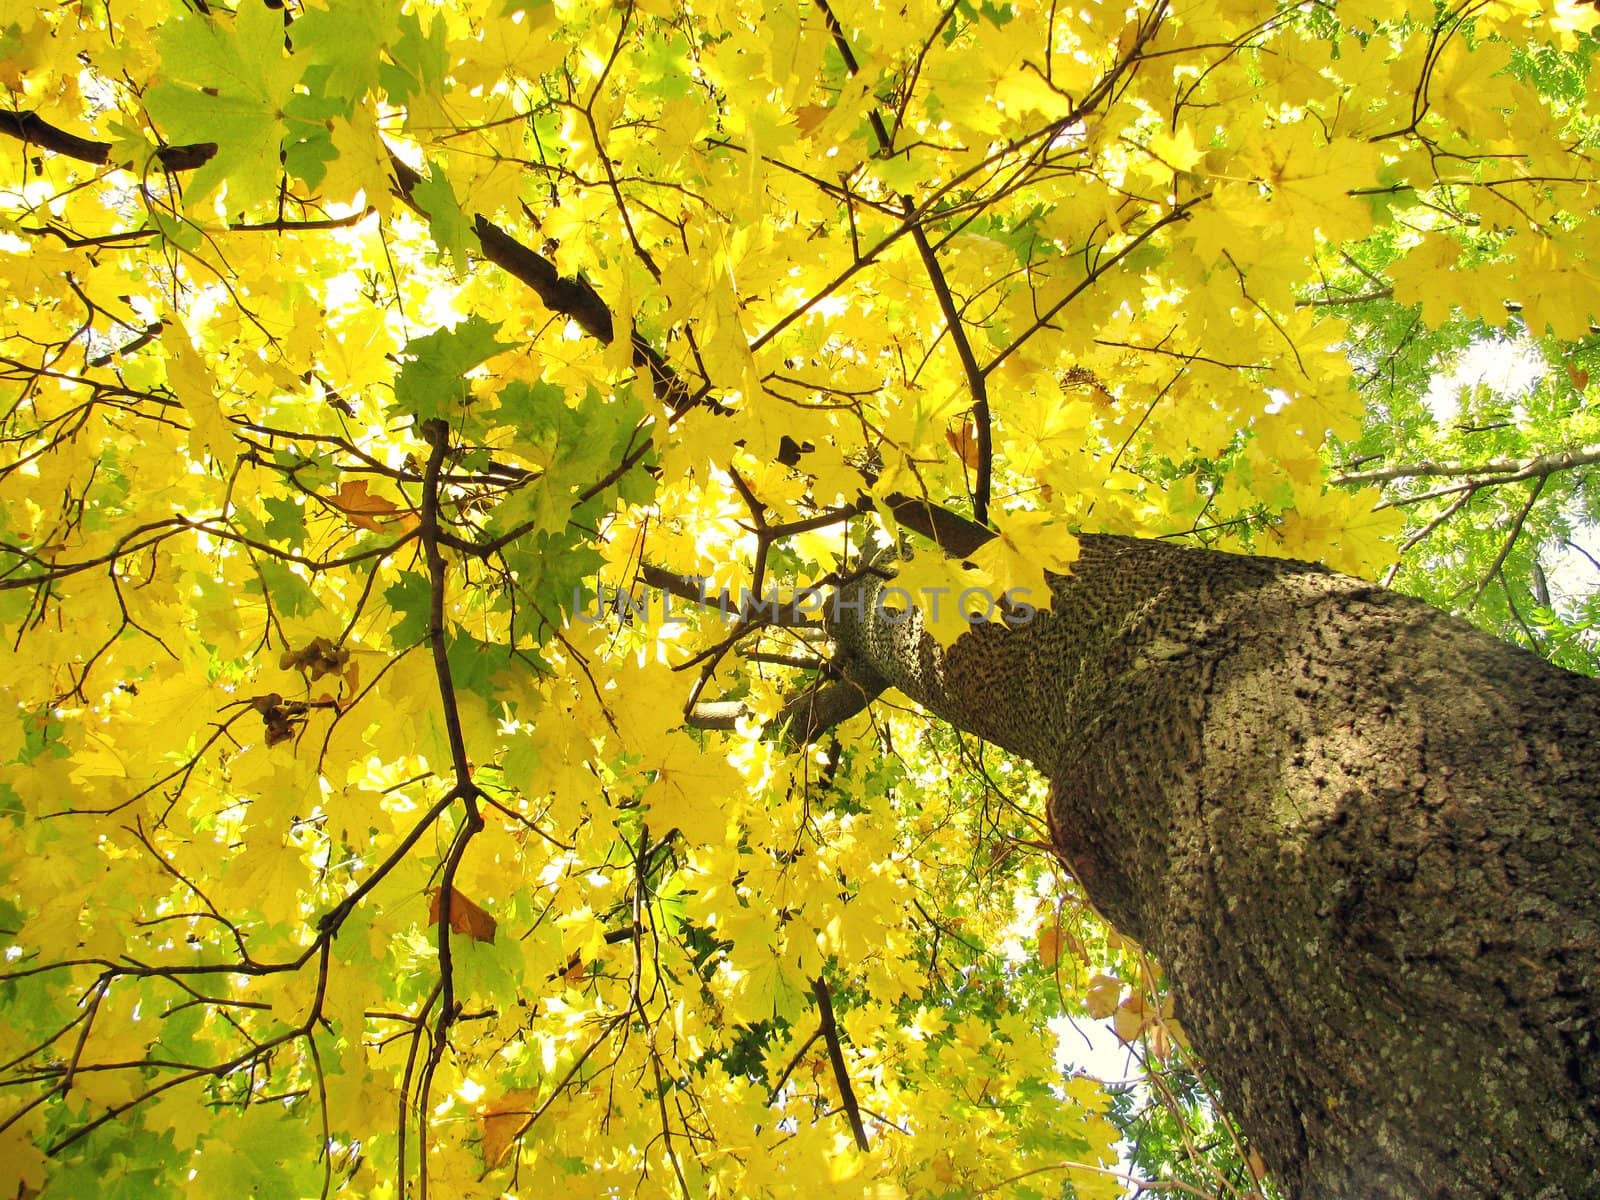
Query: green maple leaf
{"type": "Point", "coordinates": [289, 593]}
{"type": "Point", "coordinates": [570, 445]}
{"type": "Point", "coordinates": [555, 571]}
{"type": "Point", "coordinates": [346, 41]}
{"type": "Point", "coordinates": [546, 503]}
{"type": "Point", "coordinates": [227, 85]}
{"type": "Point", "coordinates": [420, 62]}
{"type": "Point", "coordinates": [431, 384]}
{"type": "Point", "coordinates": [450, 226]}
{"type": "Point", "coordinates": [409, 597]}
{"type": "Point", "coordinates": [286, 520]}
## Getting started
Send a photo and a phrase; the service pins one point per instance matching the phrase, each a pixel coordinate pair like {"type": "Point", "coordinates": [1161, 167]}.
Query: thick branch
{"type": "Point", "coordinates": [811, 713]}
{"type": "Point", "coordinates": [1500, 470]}
{"type": "Point", "coordinates": [976, 383]}
{"type": "Point", "coordinates": [34, 130]}
{"type": "Point", "coordinates": [437, 434]}
{"type": "Point", "coordinates": [806, 716]}
{"type": "Point", "coordinates": [841, 1072]}
{"type": "Point", "coordinates": [570, 297]}
{"type": "Point", "coordinates": [950, 531]}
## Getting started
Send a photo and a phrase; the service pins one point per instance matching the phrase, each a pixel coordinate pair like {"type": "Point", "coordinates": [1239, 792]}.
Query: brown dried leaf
{"type": "Point", "coordinates": [1101, 998]}
{"type": "Point", "coordinates": [465, 916]}
{"type": "Point", "coordinates": [1051, 938]}
{"type": "Point", "coordinates": [503, 1121]}
{"type": "Point", "coordinates": [1160, 1043]}
{"type": "Point", "coordinates": [366, 511]}
{"type": "Point", "coordinates": [808, 117]}
{"type": "Point", "coordinates": [964, 441]}
{"type": "Point", "coordinates": [317, 658]}
{"type": "Point", "coordinates": [1133, 1017]}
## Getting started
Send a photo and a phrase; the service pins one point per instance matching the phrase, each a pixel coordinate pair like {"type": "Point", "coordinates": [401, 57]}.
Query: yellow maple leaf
{"type": "Point", "coordinates": [1344, 530]}
{"type": "Point", "coordinates": [1029, 544]}
{"type": "Point", "coordinates": [1311, 178]}
{"type": "Point", "coordinates": [503, 1122]}
{"type": "Point", "coordinates": [943, 590]}
{"type": "Point", "coordinates": [694, 792]}
{"type": "Point", "coordinates": [192, 382]}
{"type": "Point", "coordinates": [1102, 995]}
{"type": "Point", "coordinates": [1176, 149]}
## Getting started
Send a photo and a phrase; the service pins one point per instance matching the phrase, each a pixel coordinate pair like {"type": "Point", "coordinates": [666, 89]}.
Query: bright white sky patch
{"type": "Point", "coordinates": [1506, 368]}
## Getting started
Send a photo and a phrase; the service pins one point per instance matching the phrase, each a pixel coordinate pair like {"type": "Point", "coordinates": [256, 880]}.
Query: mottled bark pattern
{"type": "Point", "coordinates": [1362, 837]}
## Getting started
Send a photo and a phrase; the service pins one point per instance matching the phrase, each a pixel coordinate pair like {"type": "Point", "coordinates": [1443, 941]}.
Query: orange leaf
{"type": "Point", "coordinates": [1133, 1017]}
{"type": "Point", "coordinates": [366, 511]}
{"type": "Point", "coordinates": [1051, 938]}
{"type": "Point", "coordinates": [503, 1122]}
{"type": "Point", "coordinates": [1160, 1043]}
{"type": "Point", "coordinates": [964, 441]}
{"type": "Point", "coordinates": [1258, 1168]}
{"type": "Point", "coordinates": [465, 916]}
{"type": "Point", "coordinates": [809, 116]}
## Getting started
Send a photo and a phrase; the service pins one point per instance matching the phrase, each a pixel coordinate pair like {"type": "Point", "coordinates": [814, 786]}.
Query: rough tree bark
{"type": "Point", "coordinates": [1362, 837]}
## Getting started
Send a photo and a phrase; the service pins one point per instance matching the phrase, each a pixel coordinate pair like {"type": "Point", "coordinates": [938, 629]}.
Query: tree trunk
{"type": "Point", "coordinates": [1362, 837]}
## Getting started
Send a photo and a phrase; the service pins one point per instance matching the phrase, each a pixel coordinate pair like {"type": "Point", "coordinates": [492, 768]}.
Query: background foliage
{"type": "Point", "coordinates": [351, 356]}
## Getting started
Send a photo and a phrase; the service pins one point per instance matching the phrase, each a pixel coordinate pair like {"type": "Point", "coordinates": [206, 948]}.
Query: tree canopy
{"type": "Point", "coordinates": [432, 436]}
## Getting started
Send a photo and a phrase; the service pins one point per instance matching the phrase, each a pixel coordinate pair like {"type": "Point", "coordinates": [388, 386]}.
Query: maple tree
{"type": "Point", "coordinates": [456, 463]}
